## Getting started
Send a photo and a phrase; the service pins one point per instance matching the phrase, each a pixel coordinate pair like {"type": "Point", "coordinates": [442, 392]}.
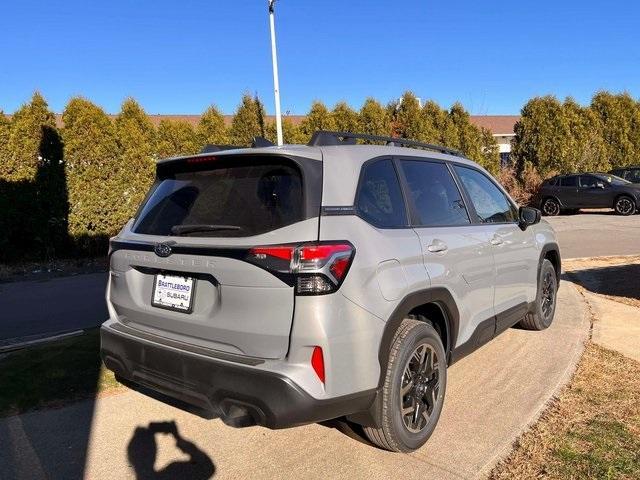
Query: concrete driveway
{"type": "Point", "coordinates": [492, 396]}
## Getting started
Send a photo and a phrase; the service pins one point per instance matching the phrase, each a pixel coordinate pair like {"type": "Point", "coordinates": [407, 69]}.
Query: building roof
{"type": "Point", "coordinates": [496, 124]}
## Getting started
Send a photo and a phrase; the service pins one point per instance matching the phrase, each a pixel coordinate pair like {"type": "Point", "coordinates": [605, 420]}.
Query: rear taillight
{"type": "Point", "coordinates": [318, 268]}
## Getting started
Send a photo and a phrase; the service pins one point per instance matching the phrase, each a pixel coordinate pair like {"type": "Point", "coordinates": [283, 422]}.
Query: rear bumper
{"type": "Point", "coordinates": [240, 395]}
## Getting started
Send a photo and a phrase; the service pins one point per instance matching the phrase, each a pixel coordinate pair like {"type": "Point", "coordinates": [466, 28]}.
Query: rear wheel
{"type": "Point", "coordinates": [551, 207]}
{"type": "Point", "coordinates": [625, 205]}
{"type": "Point", "coordinates": [414, 388]}
{"type": "Point", "coordinates": [545, 306]}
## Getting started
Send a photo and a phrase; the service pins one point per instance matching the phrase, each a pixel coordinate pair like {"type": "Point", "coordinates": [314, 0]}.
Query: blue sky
{"type": "Point", "coordinates": [180, 56]}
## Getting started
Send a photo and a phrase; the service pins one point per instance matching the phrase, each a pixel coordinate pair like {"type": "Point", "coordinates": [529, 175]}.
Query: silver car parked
{"type": "Point", "coordinates": [280, 286]}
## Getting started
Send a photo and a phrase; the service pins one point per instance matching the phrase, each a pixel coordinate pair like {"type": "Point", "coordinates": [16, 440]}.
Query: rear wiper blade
{"type": "Point", "coordinates": [185, 229]}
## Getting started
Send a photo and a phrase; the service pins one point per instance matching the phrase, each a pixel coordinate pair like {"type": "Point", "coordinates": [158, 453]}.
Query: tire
{"type": "Point", "coordinates": [546, 300]}
{"type": "Point", "coordinates": [551, 207]}
{"type": "Point", "coordinates": [424, 384]}
{"type": "Point", "coordinates": [624, 205]}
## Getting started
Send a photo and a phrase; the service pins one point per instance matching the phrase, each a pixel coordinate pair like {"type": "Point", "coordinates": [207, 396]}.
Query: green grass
{"type": "Point", "coordinates": [593, 429]}
{"type": "Point", "coordinates": [53, 374]}
{"type": "Point", "coordinates": [613, 451]}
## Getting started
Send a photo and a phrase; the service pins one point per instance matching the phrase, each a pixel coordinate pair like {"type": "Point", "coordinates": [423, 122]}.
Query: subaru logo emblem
{"type": "Point", "coordinates": [162, 249]}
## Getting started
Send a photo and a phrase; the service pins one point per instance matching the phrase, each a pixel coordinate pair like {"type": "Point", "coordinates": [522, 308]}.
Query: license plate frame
{"type": "Point", "coordinates": [158, 301]}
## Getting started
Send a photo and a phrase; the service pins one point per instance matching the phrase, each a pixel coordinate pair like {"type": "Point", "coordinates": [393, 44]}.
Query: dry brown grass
{"type": "Point", "coordinates": [617, 278]}
{"type": "Point", "coordinates": [592, 430]}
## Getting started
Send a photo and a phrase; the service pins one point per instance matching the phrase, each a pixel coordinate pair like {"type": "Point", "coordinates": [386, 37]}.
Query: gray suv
{"type": "Point", "coordinates": [279, 286]}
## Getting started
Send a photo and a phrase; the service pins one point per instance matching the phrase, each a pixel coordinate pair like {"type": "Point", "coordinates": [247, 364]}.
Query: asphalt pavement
{"type": "Point", "coordinates": [597, 233]}
{"type": "Point", "coordinates": [48, 306]}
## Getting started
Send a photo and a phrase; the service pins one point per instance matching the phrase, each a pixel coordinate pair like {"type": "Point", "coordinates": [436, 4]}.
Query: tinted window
{"type": "Point", "coordinates": [434, 193]}
{"type": "Point", "coordinates": [380, 200]}
{"type": "Point", "coordinates": [253, 198]}
{"type": "Point", "coordinates": [589, 181]}
{"type": "Point", "coordinates": [492, 206]}
{"type": "Point", "coordinates": [613, 179]}
{"type": "Point", "coordinates": [569, 181]}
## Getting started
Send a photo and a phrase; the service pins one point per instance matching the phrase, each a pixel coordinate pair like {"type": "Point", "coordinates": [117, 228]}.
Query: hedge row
{"type": "Point", "coordinates": [67, 190]}
{"type": "Point", "coordinates": [565, 137]}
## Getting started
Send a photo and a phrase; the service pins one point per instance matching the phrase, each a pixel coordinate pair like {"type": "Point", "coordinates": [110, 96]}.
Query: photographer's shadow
{"type": "Point", "coordinates": [142, 452]}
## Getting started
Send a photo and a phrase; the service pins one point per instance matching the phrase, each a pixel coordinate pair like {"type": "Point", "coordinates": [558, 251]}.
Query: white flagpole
{"type": "Point", "coordinates": [276, 84]}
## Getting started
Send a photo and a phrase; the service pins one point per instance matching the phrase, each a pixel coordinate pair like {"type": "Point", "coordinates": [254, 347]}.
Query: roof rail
{"type": "Point", "coordinates": [325, 138]}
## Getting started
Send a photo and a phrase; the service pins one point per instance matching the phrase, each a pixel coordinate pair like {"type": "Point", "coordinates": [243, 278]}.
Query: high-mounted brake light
{"type": "Point", "coordinates": [319, 268]}
{"type": "Point", "coordinates": [208, 158]}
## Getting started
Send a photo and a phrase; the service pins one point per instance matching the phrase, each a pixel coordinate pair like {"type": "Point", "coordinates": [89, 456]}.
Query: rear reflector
{"type": "Point", "coordinates": [317, 362]}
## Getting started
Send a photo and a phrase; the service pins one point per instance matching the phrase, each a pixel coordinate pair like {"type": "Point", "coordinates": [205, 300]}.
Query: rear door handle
{"type": "Point", "coordinates": [496, 240]}
{"type": "Point", "coordinates": [437, 246]}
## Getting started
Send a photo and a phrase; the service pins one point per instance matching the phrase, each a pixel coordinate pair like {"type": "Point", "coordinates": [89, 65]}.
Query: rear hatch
{"type": "Point", "coordinates": [182, 268]}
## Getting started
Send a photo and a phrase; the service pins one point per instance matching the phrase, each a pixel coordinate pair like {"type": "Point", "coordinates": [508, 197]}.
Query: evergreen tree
{"type": "Point", "coordinates": [345, 118]}
{"type": "Point", "coordinates": [136, 139]}
{"type": "Point", "coordinates": [211, 129]}
{"type": "Point", "coordinates": [93, 170]}
{"type": "Point", "coordinates": [374, 118]}
{"type": "Point", "coordinates": [248, 122]}
{"type": "Point", "coordinates": [5, 132]}
{"type": "Point", "coordinates": [541, 137]}
{"type": "Point", "coordinates": [586, 150]}
{"type": "Point", "coordinates": [290, 132]}
{"type": "Point", "coordinates": [407, 118]}
{"type": "Point", "coordinates": [176, 137]}
{"type": "Point", "coordinates": [437, 126]}
{"type": "Point", "coordinates": [318, 118]}
{"type": "Point", "coordinates": [619, 117]}
{"type": "Point", "coordinates": [35, 194]}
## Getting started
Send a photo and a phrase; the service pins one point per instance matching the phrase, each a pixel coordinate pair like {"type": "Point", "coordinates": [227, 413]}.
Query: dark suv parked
{"type": "Point", "coordinates": [569, 193]}
{"type": "Point", "coordinates": [631, 173]}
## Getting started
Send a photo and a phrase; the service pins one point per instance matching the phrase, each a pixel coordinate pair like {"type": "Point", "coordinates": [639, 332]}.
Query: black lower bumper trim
{"type": "Point", "coordinates": [210, 388]}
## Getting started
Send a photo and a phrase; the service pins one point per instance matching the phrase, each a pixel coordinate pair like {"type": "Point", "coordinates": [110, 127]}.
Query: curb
{"type": "Point", "coordinates": [19, 343]}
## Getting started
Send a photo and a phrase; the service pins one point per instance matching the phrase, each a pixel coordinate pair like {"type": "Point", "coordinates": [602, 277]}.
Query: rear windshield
{"type": "Point", "coordinates": [231, 199]}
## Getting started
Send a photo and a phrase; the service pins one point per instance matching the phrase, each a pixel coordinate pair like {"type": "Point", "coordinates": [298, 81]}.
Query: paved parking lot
{"type": "Point", "coordinates": [597, 233]}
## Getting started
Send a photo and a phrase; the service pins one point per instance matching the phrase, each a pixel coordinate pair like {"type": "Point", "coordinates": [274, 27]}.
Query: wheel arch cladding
{"type": "Point", "coordinates": [551, 252]}
{"type": "Point", "coordinates": [438, 301]}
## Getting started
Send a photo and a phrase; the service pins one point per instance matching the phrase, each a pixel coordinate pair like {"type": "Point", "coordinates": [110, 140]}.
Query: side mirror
{"type": "Point", "coordinates": [528, 216]}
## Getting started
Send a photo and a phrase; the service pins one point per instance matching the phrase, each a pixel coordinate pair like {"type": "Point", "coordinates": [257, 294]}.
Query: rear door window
{"type": "Point", "coordinates": [589, 181]}
{"type": "Point", "coordinates": [569, 182]}
{"type": "Point", "coordinates": [247, 198]}
{"type": "Point", "coordinates": [436, 198]}
{"type": "Point", "coordinates": [380, 200]}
